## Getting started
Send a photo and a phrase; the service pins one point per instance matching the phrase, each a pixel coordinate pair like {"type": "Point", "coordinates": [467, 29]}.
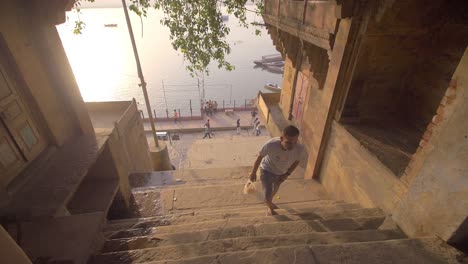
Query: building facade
{"type": "Point", "coordinates": [378, 90]}
{"type": "Point", "coordinates": [60, 178]}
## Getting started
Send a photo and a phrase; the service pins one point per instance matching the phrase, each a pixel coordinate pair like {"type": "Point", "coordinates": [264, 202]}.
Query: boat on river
{"type": "Point", "coordinates": [275, 64]}
{"type": "Point", "coordinates": [275, 69]}
{"type": "Point", "coordinates": [269, 59]}
{"type": "Point", "coordinates": [272, 87]}
{"type": "Point", "coordinates": [110, 25]}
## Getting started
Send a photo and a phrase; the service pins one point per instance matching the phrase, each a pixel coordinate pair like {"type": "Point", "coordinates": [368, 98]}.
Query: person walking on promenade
{"type": "Point", "coordinates": [257, 129]}
{"type": "Point", "coordinates": [209, 127]}
{"type": "Point", "coordinates": [254, 115]}
{"type": "Point", "coordinates": [207, 131]}
{"type": "Point", "coordinates": [176, 116]}
{"type": "Point", "coordinates": [254, 125]}
{"type": "Point", "coordinates": [238, 126]}
{"type": "Point", "coordinates": [277, 159]}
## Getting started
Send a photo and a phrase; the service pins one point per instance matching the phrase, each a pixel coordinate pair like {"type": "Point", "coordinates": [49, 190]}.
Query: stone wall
{"type": "Point", "coordinates": [287, 87]}
{"type": "Point", "coordinates": [405, 82]}
{"type": "Point", "coordinates": [269, 112]}
{"type": "Point", "coordinates": [320, 99]}
{"type": "Point", "coordinates": [352, 173]}
{"type": "Point", "coordinates": [10, 251]}
{"type": "Point", "coordinates": [392, 61]}
{"type": "Point", "coordinates": [428, 81]}
{"type": "Point", "coordinates": [437, 200]}
{"type": "Point", "coordinates": [129, 149]}
{"type": "Point", "coordinates": [48, 84]}
{"type": "Point", "coordinates": [111, 106]}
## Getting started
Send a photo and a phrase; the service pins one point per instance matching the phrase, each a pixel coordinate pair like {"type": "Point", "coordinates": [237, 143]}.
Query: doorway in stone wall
{"type": "Point", "coordinates": [20, 140]}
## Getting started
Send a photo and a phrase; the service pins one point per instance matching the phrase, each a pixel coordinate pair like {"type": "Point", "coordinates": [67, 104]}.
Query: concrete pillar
{"type": "Point", "coordinates": [160, 157]}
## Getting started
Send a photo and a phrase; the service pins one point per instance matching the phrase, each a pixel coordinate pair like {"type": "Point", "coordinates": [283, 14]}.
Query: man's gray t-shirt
{"type": "Point", "coordinates": [277, 160]}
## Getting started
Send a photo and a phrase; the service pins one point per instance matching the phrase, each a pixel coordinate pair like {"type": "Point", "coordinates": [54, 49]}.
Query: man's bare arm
{"type": "Point", "coordinates": [289, 171]}
{"type": "Point", "coordinates": [253, 174]}
{"type": "Point", "coordinates": [293, 167]}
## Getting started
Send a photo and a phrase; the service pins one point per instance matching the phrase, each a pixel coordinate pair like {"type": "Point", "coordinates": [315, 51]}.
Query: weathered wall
{"type": "Point", "coordinates": [351, 173]}
{"type": "Point", "coordinates": [61, 75]}
{"type": "Point", "coordinates": [409, 53]}
{"type": "Point", "coordinates": [378, 78]}
{"type": "Point", "coordinates": [271, 114]}
{"type": "Point", "coordinates": [129, 149]}
{"type": "Point", "coordinates": [427, 82]}
{"type": "Point", "coordinates": [437, 200]}
{"type": "Point", "coordinates": [10, 251]}
{"type": "Point", "coordinates": [319, 100]}
{"type": "Point", "coordinates": [112, 106]}
{"type": "Point", "coordinates": [20, 31]}
{"type": "Point", "coordinates": [287, 87]}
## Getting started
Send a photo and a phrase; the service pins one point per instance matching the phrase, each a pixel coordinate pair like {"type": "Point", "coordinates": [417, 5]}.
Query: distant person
{"type": "Point", "coordinates": [215, 106]}
{"type": "Point", "coordinates": [254, 116]}
{"type": "Point", "coordinates": [207, 131]}
{"type": "Point", "coordinates": [210, 107]}
{"type": "Point", "coordinates": [254, 125]}
{"type": "Point", "coordinates": [257, 129]}
{"type": "Point", "coordinates": [207, 107]}
{"type": "Point", "coordinates": [238, 127]}
{"type": "Point", "coordinates": [277, 159]}
{"type": "Point", "coordinates": [209, 127]}
{"type": "Point", "coordinates": [176, 116]}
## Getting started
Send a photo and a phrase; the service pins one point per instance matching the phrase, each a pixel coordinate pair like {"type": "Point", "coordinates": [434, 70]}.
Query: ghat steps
{"type": "Point", "coordinates": [207, 219]}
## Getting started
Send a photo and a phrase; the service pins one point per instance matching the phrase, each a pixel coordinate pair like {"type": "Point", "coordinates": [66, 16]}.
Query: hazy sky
{"type": "Point", "coordinates": [102, 3]}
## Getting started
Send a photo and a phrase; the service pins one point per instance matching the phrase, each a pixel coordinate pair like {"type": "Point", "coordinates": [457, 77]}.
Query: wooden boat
{"type": "Point", "coordinates": [272, 87]}
{"type": "Point", "coordinates": [110, 25]}
{"type": "Point", "coordinates": [275, 69]}
{"type": "Point", "coordinates": [268, 59]}
{"type": "Point", "coordinates": [274, 64]}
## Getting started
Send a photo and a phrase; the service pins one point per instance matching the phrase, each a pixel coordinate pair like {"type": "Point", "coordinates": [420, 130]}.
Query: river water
{"type": "Point", "coordinates": [104, 66]}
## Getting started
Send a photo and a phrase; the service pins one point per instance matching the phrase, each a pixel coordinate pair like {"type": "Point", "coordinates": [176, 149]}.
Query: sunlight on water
{"type": "Point", "coordinates": [104, 66]}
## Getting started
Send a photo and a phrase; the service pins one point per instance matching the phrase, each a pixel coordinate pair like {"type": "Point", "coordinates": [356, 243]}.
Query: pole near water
{"type": "Point", "coordinates": [191, 113]}
{"type": "Point", "coordinates": [140, 74]}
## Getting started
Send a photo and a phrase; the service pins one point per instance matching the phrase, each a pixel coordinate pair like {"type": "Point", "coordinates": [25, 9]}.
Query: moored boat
{"type": "Point", "coordinates": [269, 59]}
{"type": "Point", "coordinates": [275, 69]}
{"type": "Point", "coordinates": [272, 87]}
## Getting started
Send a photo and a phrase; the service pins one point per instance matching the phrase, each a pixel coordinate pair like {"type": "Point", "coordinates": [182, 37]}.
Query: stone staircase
{"type": "Point", "coordinates": [211, 222]}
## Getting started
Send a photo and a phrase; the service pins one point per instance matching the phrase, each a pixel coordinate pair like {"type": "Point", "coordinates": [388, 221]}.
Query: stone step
{"type": "Point", "coordinates": [278, 202]}
{"type": "Point", "coordinates": [430, 250]}
{"type": "Point", "coordinates": [255, 226]}
{"type": "Point", "coordinates": [212, 153]}
{"type": "Point", "coordinates": [181, 225]}
{"type": "Point", "coordinates": [211, 247]}
{"type": "Point", "coordinates": [216, 196]}
{"type": "Point", "coordinates": [192, 217]}
{"type": "Point", "coordinates": [164, 179]}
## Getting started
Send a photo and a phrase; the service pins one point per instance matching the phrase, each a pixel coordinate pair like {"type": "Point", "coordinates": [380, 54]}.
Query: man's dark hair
{"type": "Point", "coordinates": [291, 131]}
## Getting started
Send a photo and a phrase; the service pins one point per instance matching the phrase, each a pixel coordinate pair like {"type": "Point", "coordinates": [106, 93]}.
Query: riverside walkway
{"type": "Point", "coordinates": [218, 121]}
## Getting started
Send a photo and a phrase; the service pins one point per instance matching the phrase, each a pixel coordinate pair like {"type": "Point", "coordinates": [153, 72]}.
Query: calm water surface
{"type": "Point", "coordinates": [104, 66]}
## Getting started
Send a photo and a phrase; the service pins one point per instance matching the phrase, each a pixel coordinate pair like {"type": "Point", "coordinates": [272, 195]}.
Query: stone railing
{"type": "Point", "coordinates": [269, 111]}
{"type": "Point", "coordinates": [133, 147]}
